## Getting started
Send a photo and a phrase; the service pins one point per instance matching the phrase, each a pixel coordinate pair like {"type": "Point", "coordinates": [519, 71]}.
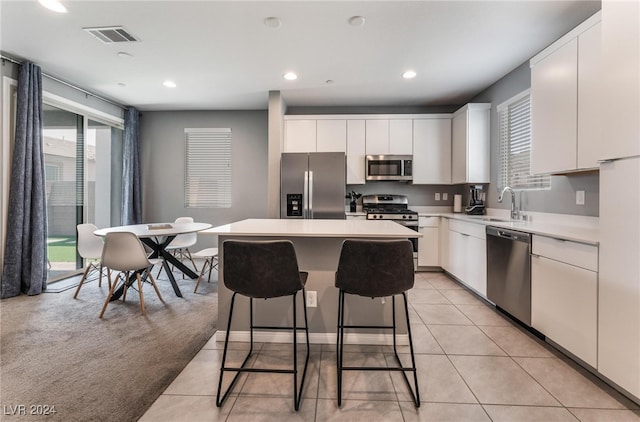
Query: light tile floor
{"type": "Point", "coordinates": [473, 365]}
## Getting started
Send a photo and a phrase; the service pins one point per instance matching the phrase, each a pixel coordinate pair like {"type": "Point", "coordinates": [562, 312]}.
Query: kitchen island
{"type": "Point", "coordinates": [318, 244]}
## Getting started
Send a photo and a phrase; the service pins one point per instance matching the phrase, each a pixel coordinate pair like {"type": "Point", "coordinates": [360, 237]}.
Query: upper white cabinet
{"type": "Point", "coordinates": [389, 136]}
{"type": "Point", "coordinates": [565, 102]}
{"type": "Point", "coordinates": [331, 135]}
{"type": "Point", "coordinates": [621, 78]}
{"type": "Point", "coordinates": [590, 97]}
{"type": "Point", "coordinates": [401, 136]}
{"type": "Point", "coordinates": [300, 135]}
{"type": "Point", "coordinates": [470, 144]}
{"type": "Point", "coordinates": [432, 151]}
{"type": "Point", "coordinates": [377, 135]}
{"type": "Point", "coordinates": [356, 151]}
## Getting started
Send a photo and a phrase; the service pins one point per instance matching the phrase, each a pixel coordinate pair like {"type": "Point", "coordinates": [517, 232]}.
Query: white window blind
{"type": "Point", "coordinates": [207, 181]}
{"type": "Point", "coordinates": [515, 146]}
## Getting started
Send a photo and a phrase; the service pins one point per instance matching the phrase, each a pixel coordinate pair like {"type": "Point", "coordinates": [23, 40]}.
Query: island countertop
{"type": "Point", "coordinates": [314, 228]}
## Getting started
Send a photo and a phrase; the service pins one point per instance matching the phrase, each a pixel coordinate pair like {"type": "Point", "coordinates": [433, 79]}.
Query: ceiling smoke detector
{"type": "Point", "coordinates": [111, 34]}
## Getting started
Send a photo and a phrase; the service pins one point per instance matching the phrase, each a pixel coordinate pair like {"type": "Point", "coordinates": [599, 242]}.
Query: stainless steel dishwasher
{"type": "Point", "coordinates": [509, 272]}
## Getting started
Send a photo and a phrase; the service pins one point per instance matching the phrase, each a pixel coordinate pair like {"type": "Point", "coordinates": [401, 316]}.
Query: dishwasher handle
{"type": "Point", "coordinates": [509, 234]}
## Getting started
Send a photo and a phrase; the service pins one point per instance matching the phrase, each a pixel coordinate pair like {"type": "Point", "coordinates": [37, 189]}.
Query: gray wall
{"type": "Point", "coordinates": [561, 198]}
{"type": "Point", "coordinates": [162, 150]}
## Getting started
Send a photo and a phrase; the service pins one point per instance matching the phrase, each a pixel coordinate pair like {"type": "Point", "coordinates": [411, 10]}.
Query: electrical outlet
{"type": "Point", "coordinates": [312, 299]}
{"type": "Point", "coordinates": [437, 196]}
{"type": "Point", "coordinates": [445, 196]}
{"type": "Point", "coordinates": [579, 197]}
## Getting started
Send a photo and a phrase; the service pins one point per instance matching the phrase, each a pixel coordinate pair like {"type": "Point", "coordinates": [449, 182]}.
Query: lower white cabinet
{"type": "Point", "coordinates": [467, 254]}
{"type": "Point", "coordinates": [429, 243]}
{"type": "Point", "coordinates": [444, 243]}
{"type": "Point", "coordinates": [564, 295]}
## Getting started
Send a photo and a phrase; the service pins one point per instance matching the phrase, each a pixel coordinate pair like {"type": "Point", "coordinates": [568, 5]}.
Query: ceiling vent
{"type": "Point", "coordinates": [111, 34]}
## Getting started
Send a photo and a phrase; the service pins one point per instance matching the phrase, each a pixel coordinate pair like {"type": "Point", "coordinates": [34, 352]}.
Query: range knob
{"type": "Point", "coordinates": [404, 217]}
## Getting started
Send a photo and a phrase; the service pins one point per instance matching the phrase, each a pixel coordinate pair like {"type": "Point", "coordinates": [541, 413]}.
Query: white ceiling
{"type": "Point", "coordinates": [222, 55]}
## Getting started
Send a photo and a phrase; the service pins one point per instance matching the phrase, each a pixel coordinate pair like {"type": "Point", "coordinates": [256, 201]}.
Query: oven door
{"type": "Point", "coordinates": [413, 225]}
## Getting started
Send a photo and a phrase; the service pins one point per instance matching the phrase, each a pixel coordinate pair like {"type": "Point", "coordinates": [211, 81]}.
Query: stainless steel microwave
{"type": "Point", "coordinates": [389, 167]}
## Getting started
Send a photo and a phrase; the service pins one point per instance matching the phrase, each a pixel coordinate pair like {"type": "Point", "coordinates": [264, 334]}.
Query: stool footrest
{"type": "Point", "coordinates": [273, 371]}
{"type": "Point", "coordinates": [376, 368]}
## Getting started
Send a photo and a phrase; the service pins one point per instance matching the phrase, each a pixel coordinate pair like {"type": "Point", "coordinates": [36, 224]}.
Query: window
{"type": "Point", "coordinates": [515, 146]}
{"type": "Point", "coordinates": [207, 168]}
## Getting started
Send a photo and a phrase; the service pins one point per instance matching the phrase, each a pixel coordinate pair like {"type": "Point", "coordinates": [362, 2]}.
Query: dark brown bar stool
{"type": "Point", "coordinates": [376, 268]}
{"type": "Point", "coordinates": [263, 270]}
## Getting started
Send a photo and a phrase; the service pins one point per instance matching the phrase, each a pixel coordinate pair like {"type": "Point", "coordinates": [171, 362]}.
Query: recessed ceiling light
{"type": "Point", "coordinates": [124, 54]}
{"type": "Point", "coordinates": [328, 81]}
{"type": "Point", "coordinates": [122, 84]}
{"type": "Point", "coordinates": [54, 5]}
{"type": "Point", "coordinates": [169, 84]}
{"type": "Point", "coordinates": [409, 74]}
{"type": "Point", "coordinates": [272, 22]}
{"type": "Point", "coordinates": [356, 20]}
{"type": "Point", "coordinates": [290, 76]}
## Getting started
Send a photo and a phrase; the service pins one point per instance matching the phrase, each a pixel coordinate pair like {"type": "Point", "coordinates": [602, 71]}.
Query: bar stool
{"type": "Point", "coordinates": [375, 268]}
{"type": "Point", "coordinates": [263, 270]}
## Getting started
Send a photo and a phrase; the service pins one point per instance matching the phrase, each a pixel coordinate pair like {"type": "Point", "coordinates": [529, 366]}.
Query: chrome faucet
{"type": "Point", "coordinates": [514, 211]}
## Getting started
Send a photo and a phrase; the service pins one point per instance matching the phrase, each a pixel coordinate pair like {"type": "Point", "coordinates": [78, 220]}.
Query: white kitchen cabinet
{"type": "Point", "coordinates": [389, 136]}
{"type": "Point", "coordinates": [444, 243]}
{"type": "Point", "coordinates": [331, 135]}
{"type": "Point", "coordinates": [470, 144]}
{"type": "Point", "coordinates": [590, 98]}
{"type": "Point", "coordinates": [467, 254]}
{"type": "Point", "coordinates": [566, 123]}
{"type": "Point", "coordinates": [621, 78]}
{"type": "Point", "coordinates": [401, 136]}
{"type": "Point", "coordinates": [356, 152]}
{"type": "Point", "coordinates": [554, 114]}
{"type": "Point", "coordinates": [564, 295]}
{"type": "Point", "coordinates": [619, 273]}
{"type": "Point", "coordinates": [300, 135]}
{"type": "Point", "coordinates": [377, 136]}
{"type": "Point", "coordinates": [429, 244]}
{"type": "Point", "coordinates": [432, 151]}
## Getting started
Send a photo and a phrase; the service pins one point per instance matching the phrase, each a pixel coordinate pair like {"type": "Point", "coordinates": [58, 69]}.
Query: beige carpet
{"type": "Point", "coordinates": [55, 351]}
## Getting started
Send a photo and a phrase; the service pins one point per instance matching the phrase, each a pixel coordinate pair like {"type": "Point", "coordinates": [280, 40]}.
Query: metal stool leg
{"type": "Point", "coordinates": [223, 368]}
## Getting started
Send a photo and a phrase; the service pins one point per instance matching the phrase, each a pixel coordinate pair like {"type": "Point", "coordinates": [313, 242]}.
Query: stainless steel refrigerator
{"type": "Point", "coordinates": [313, 185]}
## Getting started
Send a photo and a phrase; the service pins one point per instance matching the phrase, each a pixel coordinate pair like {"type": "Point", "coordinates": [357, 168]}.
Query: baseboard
{"type": "Point", "coordinates": [315, 338]}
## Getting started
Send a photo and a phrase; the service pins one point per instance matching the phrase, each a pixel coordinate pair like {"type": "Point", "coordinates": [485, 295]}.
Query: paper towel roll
{"type": "Point", "coordinates": [457, 203]}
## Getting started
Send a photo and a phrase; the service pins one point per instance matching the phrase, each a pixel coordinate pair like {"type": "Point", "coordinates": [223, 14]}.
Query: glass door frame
{"type": "Point", "coordinates": [86, 114]}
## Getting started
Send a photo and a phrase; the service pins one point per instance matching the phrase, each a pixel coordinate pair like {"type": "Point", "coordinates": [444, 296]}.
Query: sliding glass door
{"type": "Point", "coordinates": [82, 179]}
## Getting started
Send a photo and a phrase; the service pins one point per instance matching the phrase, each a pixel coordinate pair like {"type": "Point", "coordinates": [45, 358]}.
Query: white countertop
{"type": "Point", "coordinates": [314, 228]}
{"type": "Point", "coordinates": [557, 229]}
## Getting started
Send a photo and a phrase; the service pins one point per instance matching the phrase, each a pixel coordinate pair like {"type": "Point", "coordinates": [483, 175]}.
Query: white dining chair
{"type": "Point", "coordinates": [90, 250]}
{"type": "Point", "coordinates": [124, 252]}
{"type": "Point", "coordinates": [210, 257]}
{"type": "Point", "coordinates": [179, 246]}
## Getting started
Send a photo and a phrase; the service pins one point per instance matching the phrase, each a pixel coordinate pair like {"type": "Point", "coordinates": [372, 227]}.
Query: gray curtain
{"type": "Point", "coordinates": [25, 257]}
{"type": "Point", "coordinates": [131, 192]}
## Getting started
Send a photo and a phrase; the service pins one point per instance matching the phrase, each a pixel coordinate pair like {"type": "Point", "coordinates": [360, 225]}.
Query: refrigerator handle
{"type": "Point", "coordinates": [310, 194]}
{"type": "Point", "coordinates": [305, 196]}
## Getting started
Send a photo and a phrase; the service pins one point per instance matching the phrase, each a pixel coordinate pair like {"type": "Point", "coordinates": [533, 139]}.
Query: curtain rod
{"type": "Point", "coordinates": [84, 91]}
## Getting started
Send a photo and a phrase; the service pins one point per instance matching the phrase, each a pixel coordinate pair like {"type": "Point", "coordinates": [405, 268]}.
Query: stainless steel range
{"type": "Point", "coordinates": [394, 208]}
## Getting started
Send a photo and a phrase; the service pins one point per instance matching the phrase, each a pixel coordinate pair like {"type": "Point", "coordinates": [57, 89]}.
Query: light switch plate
{"type": "Point", "coordinates": [579, 197]}
{"type": "Point", "coordinates": [437, 196]}
{"type": "Point", "coordinates": [445, 196]}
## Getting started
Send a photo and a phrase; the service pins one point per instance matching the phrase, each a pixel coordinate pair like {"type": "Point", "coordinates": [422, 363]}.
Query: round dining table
{"type": "Point", "coordinates": [158, 236]}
